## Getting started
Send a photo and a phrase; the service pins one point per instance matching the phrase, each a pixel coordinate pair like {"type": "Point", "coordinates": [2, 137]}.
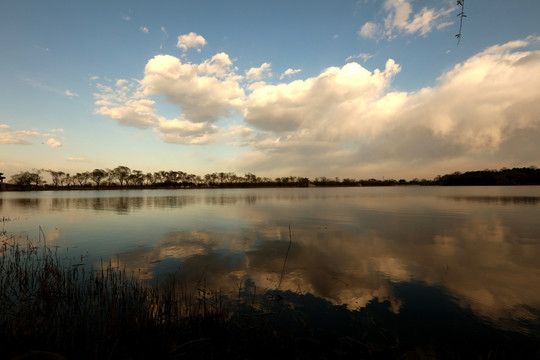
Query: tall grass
{"type": "Point", "coordinates": [51, 303]}
{"type": "Point", "coordinates": [48, 303]}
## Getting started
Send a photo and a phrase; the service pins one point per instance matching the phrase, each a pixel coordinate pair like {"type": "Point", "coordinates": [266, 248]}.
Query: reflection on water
{"type": "Point", "coordinates": [352, 247]}
{"type": "Point", "coordinates": [502, 200]}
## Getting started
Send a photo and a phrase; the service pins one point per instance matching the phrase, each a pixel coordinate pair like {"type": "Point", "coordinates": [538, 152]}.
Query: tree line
{"type": "Point", "coordinates": [124, 177]}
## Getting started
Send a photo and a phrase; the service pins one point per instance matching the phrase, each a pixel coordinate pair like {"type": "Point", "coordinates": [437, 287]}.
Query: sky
{"type": "Point", "coordinates": [359, 89]}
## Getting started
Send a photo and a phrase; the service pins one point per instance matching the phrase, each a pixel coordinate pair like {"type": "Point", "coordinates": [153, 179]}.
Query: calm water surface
{"type": "Point", "coordinates": [477, 246]}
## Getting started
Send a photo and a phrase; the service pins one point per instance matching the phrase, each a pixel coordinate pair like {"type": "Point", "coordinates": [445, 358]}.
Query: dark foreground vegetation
{"type": "Point", "coordinates": [123, 177]}
{"type": "Point", "coordinates": [53, 304]}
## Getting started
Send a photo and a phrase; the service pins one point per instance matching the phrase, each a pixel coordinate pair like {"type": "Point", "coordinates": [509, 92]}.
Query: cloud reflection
{"type": "Point", "coordinates": [481, 262]}
{"type": "Point", "coordinates": [349, 246]}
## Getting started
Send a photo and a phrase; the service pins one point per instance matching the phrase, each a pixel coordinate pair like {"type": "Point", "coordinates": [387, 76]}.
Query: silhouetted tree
{"type": "Point", "coordinates": [97, 175]}
{"type": "Point", "coordinates": [57, 177]}
{"type": "Point", "coordinates": [150, 179]}
{"type": "Point", "coordinates": [136, 177]}
{"type": "Point", "coordinates": [27, 178]}
{"type": "Point", "coordinates": [121, 173]}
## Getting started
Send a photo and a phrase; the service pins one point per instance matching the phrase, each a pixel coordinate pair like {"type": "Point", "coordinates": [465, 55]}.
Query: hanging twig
{"type": "Point", "coordinates": [461, 15]}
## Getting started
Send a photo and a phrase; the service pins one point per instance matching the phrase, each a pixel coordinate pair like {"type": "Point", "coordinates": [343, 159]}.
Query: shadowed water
{"type": "Point", "coordinates": [426, 253]}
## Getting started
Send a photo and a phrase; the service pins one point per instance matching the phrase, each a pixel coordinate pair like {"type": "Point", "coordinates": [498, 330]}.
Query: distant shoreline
{"type": "Point", "coordinates": [133, 180]}
{"type": "Point", "coordinates": [16, 188]}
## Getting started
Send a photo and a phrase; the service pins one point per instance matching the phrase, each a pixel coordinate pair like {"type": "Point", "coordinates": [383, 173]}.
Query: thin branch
{"type": "Point", "coordinates": [461, 15]}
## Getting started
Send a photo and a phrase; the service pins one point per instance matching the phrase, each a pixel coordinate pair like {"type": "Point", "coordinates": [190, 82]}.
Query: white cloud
{"type": "Point", "coordinates": [70, 94]}
{"type": "Point", "coordinates": [401, 19]}
{"type": "Point", "coordinates": [164, 31]}
{"type": "Point", "coordinates": [125, 104]}
{"type": "Point", "coordinates": [21, 137]}
{"type": "Point", "coordinates": [185, 132]}
{"type": "Point", "coordinates": [30, 133]}
{"type": "Point", "coordinates": [425, 21]}
{"type": "Point", "coordinates": [191, 40]}
{"type": "Point", "coordinates": [330, 100]}
{"type": "Point", "coordinates": [8, 136]}
{"type": "Point", "coordinates": [363, 56]}
{"type": "Point", "coordinates": [204, 92]}
{"type": "Point", "coordinates": [121, 82]}
{"type": "Point", "coordinates": [289, 72]}
{"type": "Point", "coordinates": [76, 158]}
{"type": "Point", "coordinates": [482, 113]}
{"type": "Point", "coordinates": [370, 30]}
{"type": "Point", "coordinates": [56, 130]}
{"type": "Point", "coordinates": [53, 143]}
{"type": "Point", "coordinates": [144, 29]}
{"type": "Point", "coordinates": [347, 120]}
{"type": "Point", "coordinates": [260, 72]}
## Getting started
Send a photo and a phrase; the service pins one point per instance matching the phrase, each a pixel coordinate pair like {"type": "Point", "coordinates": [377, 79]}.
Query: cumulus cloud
{"type": "Point", "coordinates": [185, 132]}
{"type": "Point", "coordinates": [346, 121]}
{"type": "Point", "coordinates": [204, 92]}
{"type": "Point", "coordinates": [289, 72]}
{"type": "Point", "coordinates": [260, 72]}
{"type": "Point", "coordinates": [400, 19]}
{"type": "Point", "coordinates": [53, 143]}
{"type": "Point", "coordinates": [125, 104]}
{"type": "Point", "coordinates": [320, 106]}
{"type": "Point", "coordinates": [191, 40]}
{"type": "Point", "coordinates": [144, 29]}
{"type": "Point", "coordinates": [483, 112]}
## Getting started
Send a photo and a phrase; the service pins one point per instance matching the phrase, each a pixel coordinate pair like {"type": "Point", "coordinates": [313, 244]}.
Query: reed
{"type": "Point", "coordinates": [50, 304]}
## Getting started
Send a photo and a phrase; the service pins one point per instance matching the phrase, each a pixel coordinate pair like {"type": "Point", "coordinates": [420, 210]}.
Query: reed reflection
{"type": "Point", "coordinates": [498, 200]}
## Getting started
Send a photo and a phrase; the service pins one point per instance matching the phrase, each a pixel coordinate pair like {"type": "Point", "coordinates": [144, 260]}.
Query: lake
{"type": "Point", "coordinates": [430, 255]}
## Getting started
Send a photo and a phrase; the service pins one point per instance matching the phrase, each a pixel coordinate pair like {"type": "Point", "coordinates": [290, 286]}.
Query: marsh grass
{"type": "Point", "coordinates": [52, 303]}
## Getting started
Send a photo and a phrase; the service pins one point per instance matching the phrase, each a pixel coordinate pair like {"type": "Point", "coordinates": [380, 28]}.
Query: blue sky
{"type": "Point", "coordinates": [306, 88]}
